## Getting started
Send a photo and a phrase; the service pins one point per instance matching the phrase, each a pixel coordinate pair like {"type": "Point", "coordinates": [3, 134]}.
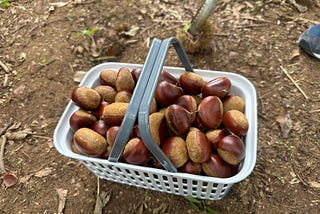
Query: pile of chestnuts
{"type": "Point", "coordinates": [198, 124]}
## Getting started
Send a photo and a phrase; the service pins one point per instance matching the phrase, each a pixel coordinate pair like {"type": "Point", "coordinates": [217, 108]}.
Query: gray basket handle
{"type": "Point", "coordinates": [144, 111]}
{"type": "Point", "coordinates": [132, 111]}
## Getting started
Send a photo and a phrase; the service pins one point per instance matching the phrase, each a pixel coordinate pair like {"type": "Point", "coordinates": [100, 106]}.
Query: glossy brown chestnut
{"type": "Point", "coordinates": [136, 72]}
{"type": "Point", "coordinates": [191, 168]}
{"type": "Point", "coordinates": [216, 167]}
{"type": "Point", "coordinates": [166, 76]}
{"type": "Point", "coordinates": [99, 112]}
{"type": "Point", "coordinates": [80, 119]}
{"type": "Point", "coordinates": [189, 103]}
{"type": "Point", "coordinates": [100, 127]}
{"type": "Point", "coordinates": [167, 93]}
{"type": "Point", "coordinates": [219, 87]}
{"type": "Point", "coordinates": [178, 119]}
{"type": "Point", "coordinates": [125, 80]}
{"type": "Point", "coordinates": [198, 146]}
{"type": "Point", "coordinates": [236, 122]}
{"type": "Point", "coordinates": [210, 112]}
{"type": "Point", "coordinates": [214, 136]}
{"type": "Point", "coordinates": [86, 98]}
{"type": "Point", "coordinates": [231, 149]}
{"type": "Point", "coordinates": [135, 152]}
{"type": "Point", "coordinates": [111, 134]}
{"type": "Point", "coordinates": [107, 93]}
{"type": "Point", "coordinates": [191, 82]}
{"type": "Point", "coordinates": [89, 142]}
{"type": "Point", "coordinates": [114, 113]}
{"type": "Point", "coordinates": [108, 77]}
{"type": "Point", "coordinates": [176, 150]}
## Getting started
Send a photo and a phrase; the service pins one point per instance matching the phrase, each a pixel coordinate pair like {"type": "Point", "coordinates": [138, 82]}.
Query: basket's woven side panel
{"type": "Point", "coordinates": [163, 183]}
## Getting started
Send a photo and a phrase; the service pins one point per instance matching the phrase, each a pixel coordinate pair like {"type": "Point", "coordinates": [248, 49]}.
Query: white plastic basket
{"type": "Point", "coordinates": [184, 184]}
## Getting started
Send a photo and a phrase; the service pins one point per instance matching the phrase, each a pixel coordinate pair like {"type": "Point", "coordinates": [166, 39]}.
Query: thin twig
{"type": "Point", "coordinates": [294, 82]}
{"type": "Point", "coordinates": [314, 111]}
{"type": "Point", "coordinates": [3, 144]}
{"type": "Point", "coordinates": [5, 67]}
{"type": "Point", "coordinates": [4, 129]}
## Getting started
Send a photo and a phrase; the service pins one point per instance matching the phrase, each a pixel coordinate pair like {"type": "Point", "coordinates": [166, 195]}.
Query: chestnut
{"type": "Point", "coordinates": [99, 112]}
{"type": "Point", "coordinates": [80, 119]}
{"type": "Point", "coordinates": [125, 80]}
{"type": "Point", "coordinates": [233, 102]}
{"type": "Point", "coordinates": [135, 152]}
{"type": "Point", "coordinates": [157, 125]}
{"type": "Point", "coordinates": [236, 122]}
{"type": "Point", "coordinates": [191, 168]}
{"type": "Point", "coordinates": [86, 98]}
{"type": "Point", "coordinates": [136, 72]}
{"type": "Point", "coordinates": [167, 93]}
{"type": "Point", "coordinates": [111, 134]}
{"type": "Point", "coordinates": [198, 146]}
{"type": "Point", "coordinates": [107, 93]}
{"type": "Point", "coordinates": [178, 119]}
{"type": "Point", "coordinates": [219, 87]}
{"type": "Point", "coordinates": [100, 127]}
{"type": "Point", "coordinates": [108, 77]}
{"type": "Point", "coordinates": [214, 136]}
{"type": "Point", "coordinates": [176, 150]}
{"type": "Point", "coordinates": [89, 142]}
{"type": "Point", "coordinates": [191, 82]}
{"type": "Point", "coordinates": [189, 103]}
{"type": "Point", "coordinates": [216, 167]}
{"type": "Point", "coordinates": [114, 113]}
{"type": "Point", "coordinates": [166, 76]}
{"type": "Point", "coordinates": [231, 149]}
{"type": "Point", "coordinates": [123, 96]}
{"type": "Point", "coordinates": [210, 112]}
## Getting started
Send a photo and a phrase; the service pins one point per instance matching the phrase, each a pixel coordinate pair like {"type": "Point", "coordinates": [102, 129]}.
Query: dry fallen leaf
{"type": "Point", "coordinates": [285, 123]}
{"type": "Point", "coordinates": [102, 199]}
{"type": "Point", "coordinates": [314, 184]}
{"type": "Point", "coordinates": [43, 172]}
{"type": "Point", "coordinates": [62, 193]}
{"type": "Point", "coordinates": [77, 77]}
{"type": "Point", "coordinates": [19, 135]}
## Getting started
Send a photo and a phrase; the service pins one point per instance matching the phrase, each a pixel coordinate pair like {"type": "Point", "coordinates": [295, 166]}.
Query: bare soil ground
{"type": "Point", "coordinates": [42, 48]}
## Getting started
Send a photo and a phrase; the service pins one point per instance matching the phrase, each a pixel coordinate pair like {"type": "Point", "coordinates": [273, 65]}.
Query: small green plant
{"type": "Point", "coordinates": [88, 32]}
{"type": "Point", "coordinates": [5, 3]}
{"type": "Point", "coordinates": [200, 205]}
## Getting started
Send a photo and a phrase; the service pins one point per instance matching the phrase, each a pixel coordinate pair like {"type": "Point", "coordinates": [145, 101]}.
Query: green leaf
{"type": "Point", "coordinates": [211, 211]}
{"type": "Point", "coordinates": [5, 3]}
{"type": "Point", "coordinates": [187, 27]}
{"type": "Point", "coordinates": [193, 200]}
{"type": "Point", "coordinates": [88, 32]}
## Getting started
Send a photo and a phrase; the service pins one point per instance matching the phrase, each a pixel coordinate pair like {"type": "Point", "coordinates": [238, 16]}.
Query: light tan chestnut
{"type": "Point", "coordinates": [125, 80]}
{"type": "Point", "coordinates": [114, 113]}
{"type": "Point", "coordinates": [157, 124]}
{"type": "Point", "coordinates": [176, 150]}
{"type": "Point", "coordinates": [107, 93]}
{"type": "Point", "coordinates": [231, 149]}
{"type": "Point", "coordinates": [216, 167]}
{"type": "Point", "coordinates": [108, 77]}
{"type": "Point", "coordinates": [236, 122]}
{"type": "Point", "coordinates": [210, 112]}
{"type": "Point", "coordinates": [86, 98]}
{"type": "Point", "coordinates": [198, 146]}
{"type": "Point", "coordinates": [123, 96]}
{"type": "Point", "coordinates": [233, 102]}
{"type": "Point", "coordinates": [191, 82]}
{"type": "Point", "coordinates": [89, 142]}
